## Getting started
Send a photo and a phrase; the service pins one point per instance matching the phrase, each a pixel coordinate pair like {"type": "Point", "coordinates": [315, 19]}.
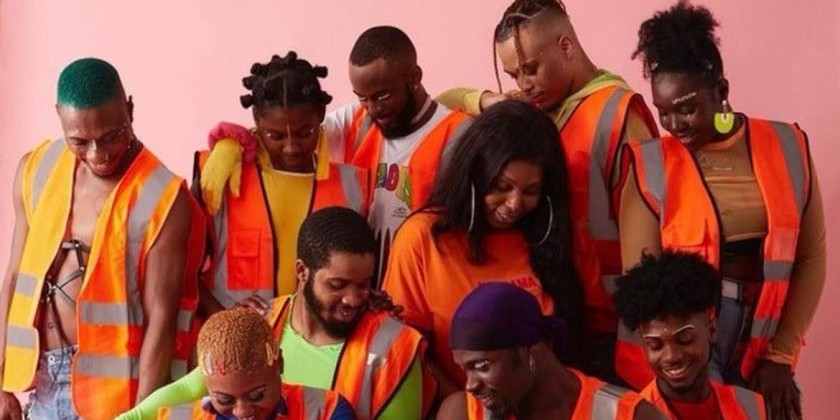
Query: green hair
{"type": "Point", "coordinates": [88, 83]}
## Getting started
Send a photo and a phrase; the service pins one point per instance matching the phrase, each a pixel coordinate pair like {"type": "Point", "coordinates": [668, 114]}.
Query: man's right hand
{"type": "Point", "coordinates": [256, 303]}
{"type": "Point", "coordinates": [10, 408]}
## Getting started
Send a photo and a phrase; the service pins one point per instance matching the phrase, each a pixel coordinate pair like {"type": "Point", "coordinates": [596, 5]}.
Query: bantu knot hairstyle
{"type": "Point", "coordinates": [386, 42]}
{"type": "Point", "coordinates": [284, 82]}
{"type": "Point", "coordinates": [675, 283]}
{"type": "Point", "coordinates": [518, 13]}
{"type": "Point", "coordinates": [681, 40]}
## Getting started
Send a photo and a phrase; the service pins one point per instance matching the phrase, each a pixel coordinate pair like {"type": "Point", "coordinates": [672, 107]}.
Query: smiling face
{"type": "Point", "coordinates": [686, 107]}
{"type": "Point", "coordinates": [678, 350]}
{"type": "Point", "coordinates": [100, 137]}
{"type": "Point", "coordinates": [499, 379]}
{"type": "Point", "coordinates": [337, 294]}
{"type": "Point", "coordinates": [514, 193]}
{"type": "Point", "coordinates": [245, 395]}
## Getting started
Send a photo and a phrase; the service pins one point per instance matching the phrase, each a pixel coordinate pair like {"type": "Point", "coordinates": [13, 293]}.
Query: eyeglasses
{"type": "Point", "coordinates": [106, 140]}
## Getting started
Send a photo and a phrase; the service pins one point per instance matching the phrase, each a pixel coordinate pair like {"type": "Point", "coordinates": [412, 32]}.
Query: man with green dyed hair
{"type": "Point", "coordinates": [97, 301]}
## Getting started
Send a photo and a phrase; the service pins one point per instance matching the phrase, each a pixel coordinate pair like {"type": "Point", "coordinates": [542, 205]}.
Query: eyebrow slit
{"type": "Point", "coordinates": [684, 98]}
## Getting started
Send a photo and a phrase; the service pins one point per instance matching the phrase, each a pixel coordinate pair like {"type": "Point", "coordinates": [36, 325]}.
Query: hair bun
{"type": "Point", "coordinates": [320, 71]}
{"type": "Point", "coordinates": [246, 100]}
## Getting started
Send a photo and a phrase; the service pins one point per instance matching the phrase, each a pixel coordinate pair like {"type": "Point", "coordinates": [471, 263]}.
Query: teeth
{"type": "Point", "coordinates": [676, 372]}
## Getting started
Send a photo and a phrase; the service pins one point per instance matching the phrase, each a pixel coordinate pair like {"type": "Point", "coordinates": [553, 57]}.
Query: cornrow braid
{"type": "Point", "coordinates": [284, 82]}
{"type": "Point", "coordinates": [236, 340]}
{"type": "Point", "coordinates": [680, 40]}
{"type": "Point", "coordinates": [519, 12]}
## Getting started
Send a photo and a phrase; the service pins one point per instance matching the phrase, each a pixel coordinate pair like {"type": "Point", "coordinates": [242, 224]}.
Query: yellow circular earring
{"type": "Point", "coordinates": [724, 120]}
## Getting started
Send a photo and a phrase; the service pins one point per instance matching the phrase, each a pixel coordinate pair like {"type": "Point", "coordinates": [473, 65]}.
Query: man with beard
{"type": "Point", "coordinates": [370, 358]}
{"type": "Point", "coordinates": [396, 131]}
{"type": "Point", "coordinates": [504, 344]}
{"type": "Point", "coordinates": [671, 302]}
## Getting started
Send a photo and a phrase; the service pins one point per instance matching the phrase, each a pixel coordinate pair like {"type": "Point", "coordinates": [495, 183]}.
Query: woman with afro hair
{"type": "Point", "coordinates": [738, 190]}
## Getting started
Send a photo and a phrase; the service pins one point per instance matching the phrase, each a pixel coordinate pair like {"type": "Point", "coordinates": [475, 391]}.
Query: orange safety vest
{"type": "Point", "coordinates": [364, 142]}
{"type": "Point", "coordinates": [672, 185]}
{"type": "Point", "coordinates": [374, 362]}
{"type": "Point", "coordinates": [735, 403]}
{"type": "Point", "coordinates": [591, 138]}
{"type": "Point", "coordinates": [109, 313]}
{"type": "Point", "coordinates": [244, 255]}
{"type": "Point", "coordinates": [302, 403]}
{"type": "Point", "coordinates": [597, 401]}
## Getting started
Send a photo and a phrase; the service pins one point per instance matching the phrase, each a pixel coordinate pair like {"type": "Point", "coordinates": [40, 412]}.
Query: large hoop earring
{"type": "Point", "coordinates": [550, 222]}
{"type": "Point", "coordinates": [472, 207]}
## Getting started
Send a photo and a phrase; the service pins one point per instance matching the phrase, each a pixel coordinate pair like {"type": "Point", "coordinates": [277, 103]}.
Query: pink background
{"type": "Point", "coordinates": [183, 62]}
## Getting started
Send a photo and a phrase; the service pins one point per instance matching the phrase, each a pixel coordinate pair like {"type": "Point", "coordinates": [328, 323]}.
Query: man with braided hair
{"type": "Point", "coordinates": [396, 132]}
{"type": "Point", "coordinates": [254, 230]}
{"type": "Point", "coordinates": [96, 305]}
{"type": "Point", "coordinates": [596, 112]}
{"type": "Point", "coordinates": [241, 364]}
{"type": "Point", "coordinates": [671, 302]}
{"type": "Point", "coordinates": [326, 327]}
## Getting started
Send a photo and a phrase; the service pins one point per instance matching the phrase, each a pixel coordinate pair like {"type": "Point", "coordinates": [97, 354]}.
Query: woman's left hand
{"type": "Point", "coordinates": [379, 301]}
{"type": "Point", "coordinates": [775, 382]}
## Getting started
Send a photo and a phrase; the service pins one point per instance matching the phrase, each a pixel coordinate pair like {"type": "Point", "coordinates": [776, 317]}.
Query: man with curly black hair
{"type": "Point", "coordinates": [671, 302]}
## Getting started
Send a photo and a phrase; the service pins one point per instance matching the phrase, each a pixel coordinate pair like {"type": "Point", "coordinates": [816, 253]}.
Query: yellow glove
{"type": "Point", "coordinates": [224, 166]}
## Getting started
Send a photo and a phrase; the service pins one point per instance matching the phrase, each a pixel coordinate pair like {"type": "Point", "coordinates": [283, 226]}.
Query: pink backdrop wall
{"type": "Point", "coordinates": [183, 62]}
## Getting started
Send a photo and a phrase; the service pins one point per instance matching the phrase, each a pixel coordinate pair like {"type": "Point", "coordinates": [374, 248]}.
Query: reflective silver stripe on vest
{"type": "Point", "coordinates": [315, 401]}
{"type": "Point", "coordinates": [601, 226]}
{"type": "Point", "coordinates": [654, 167]}
{"type": "Point", "coordinates": [184, 320]}
{"type": "Point", "coordinates": [794, 161]}
{"type": "Point", "coordinates": [138, 221]}
{"type": "Point", "coordinates": [178, 369]}
{"type": "Point", "coordinates": [107, 314]}
{"type": "Point", "coordinates": [747, 401]}
{"type": "Point", "coordinates": [605, 402]}
{"type": "Point", "coordinates": [453, 140]}
{"type": "Point", "coordinates": [350, 184]}
{"type": "Point", "coordinates": [25, 284]}
{"type": "Point", "coordinates": [388, 331]}
{"type": "Point", "coordinates": [45, 167]}
{"type": "Point", "coordinates": [181, 412]}
{"type": "Point", "coordinates": [116, 367]}
{"type": "Point", "coordinates": [764, 328]}
{"type": "Point", "coordinates": [228, 298]}
{"type": "Point", "coordinates": [364, 127]}
{"type": "Point", "coordinates": [777, 270]}
{"type": "Point", "coordinates": [220, 291]}
{"type": "Point", "coordinates": [21, 337]}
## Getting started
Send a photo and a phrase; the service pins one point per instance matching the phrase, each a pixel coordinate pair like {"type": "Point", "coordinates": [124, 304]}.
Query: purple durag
{"type": "Point", "coordinates": [497, 316]}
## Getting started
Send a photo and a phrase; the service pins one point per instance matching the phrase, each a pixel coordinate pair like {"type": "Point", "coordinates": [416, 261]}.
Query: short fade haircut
{"type": "Point", "coordinates": [333, 230]}
{"type": "Point", "coordinates": [88, 83]}
{"type": "Point", "coordinates": [675, 283]}
{"type": "Point", "coordinates": [386, 42]}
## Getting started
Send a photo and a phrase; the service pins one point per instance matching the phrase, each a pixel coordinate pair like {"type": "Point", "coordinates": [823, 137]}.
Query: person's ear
{"type": "Point", "coordinates": [301, 272]}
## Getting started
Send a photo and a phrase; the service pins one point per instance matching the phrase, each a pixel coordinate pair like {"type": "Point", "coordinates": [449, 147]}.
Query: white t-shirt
{"type": "Point", "coordinates": [392, 191]}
